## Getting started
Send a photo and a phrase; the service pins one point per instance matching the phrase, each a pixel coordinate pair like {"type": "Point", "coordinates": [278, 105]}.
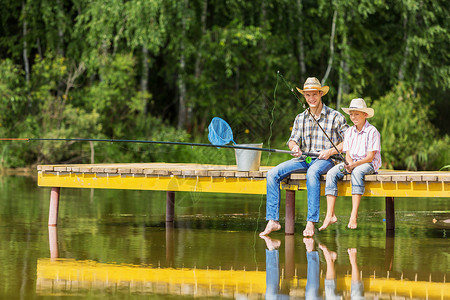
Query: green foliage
{"type": "Point", "coordinates": [407, 135]}
{"type": "Point", "coordinates": [132, 69]}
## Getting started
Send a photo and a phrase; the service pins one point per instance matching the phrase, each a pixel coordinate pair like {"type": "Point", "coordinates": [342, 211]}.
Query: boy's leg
{"type": "Point", "coordinates": [315, 170]}
{"type": "Point", "coordinates": [358, 188]}
{"type": "Point", "coordinates": [274, 178]}
{"type": "Point", "coordinates": [331, 192]}
{"type": "Point", "coordinates": [353, 222]}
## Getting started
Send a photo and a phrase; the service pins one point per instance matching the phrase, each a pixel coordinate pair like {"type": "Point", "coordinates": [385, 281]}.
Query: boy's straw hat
{"type": "Point", "coordinates": [313, 84]}
{"type": "Point", "coordinates": [359, 104]}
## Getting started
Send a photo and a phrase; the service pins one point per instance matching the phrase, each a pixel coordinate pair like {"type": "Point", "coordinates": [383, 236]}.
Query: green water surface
{"type": "Point", "coordinates": [210, 232]}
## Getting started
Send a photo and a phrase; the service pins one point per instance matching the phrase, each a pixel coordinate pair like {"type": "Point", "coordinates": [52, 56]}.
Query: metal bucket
{"type": "Point", "coordinates": [248, 160]}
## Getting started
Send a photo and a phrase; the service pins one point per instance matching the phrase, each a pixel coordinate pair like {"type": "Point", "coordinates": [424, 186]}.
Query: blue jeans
{"type": "Point", "coordinates": [313, 276]}
{"type": "Point", "coordinates": [313, 170]}
{"type": "Point", "coordinates": [357, 175]}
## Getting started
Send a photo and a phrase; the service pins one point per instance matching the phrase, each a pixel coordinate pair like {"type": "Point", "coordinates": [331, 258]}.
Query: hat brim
{"type": "Point", "coordinates": [323, 89]}
{"type": "Point", "coordinates": [369, 111]}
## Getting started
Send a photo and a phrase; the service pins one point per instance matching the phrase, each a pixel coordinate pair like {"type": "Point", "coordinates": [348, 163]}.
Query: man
{"type": "Point", "coordinates": [306, 136]}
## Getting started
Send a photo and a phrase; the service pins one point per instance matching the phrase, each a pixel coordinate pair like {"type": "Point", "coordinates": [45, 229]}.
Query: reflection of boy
{"type": "Point", "coordinates": [362, 148]}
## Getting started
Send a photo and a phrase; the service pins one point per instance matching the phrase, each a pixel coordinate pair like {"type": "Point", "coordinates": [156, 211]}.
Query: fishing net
{"type": "Point", "coordinates": [220, 132]}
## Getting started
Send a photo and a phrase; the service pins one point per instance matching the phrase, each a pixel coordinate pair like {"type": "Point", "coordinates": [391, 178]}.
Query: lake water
{"type": "Point", "coordinates": [115, 244]}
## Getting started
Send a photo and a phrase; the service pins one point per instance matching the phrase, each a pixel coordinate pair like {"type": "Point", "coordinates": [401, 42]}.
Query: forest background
{"type": "Point", "coordinates": [162, 69]}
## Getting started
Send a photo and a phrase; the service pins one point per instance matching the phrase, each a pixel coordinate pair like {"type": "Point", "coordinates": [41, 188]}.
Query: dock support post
{"type": "Point", "coordinates": [53, 241]}
{"type": "Point", "coordinates": [170, 204]}
{"type": "Point", "coordinates": [54, 205]}
{"type": "Point", "coordinates": [390, 214]}
{"type": "Point", "coordinates": [290, 212]}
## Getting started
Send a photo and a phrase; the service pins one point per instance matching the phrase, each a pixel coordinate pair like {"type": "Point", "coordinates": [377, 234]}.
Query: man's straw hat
{"type": "Point", "coordinates": [359, 104]}
{"type": "Point", "coordinates": [313, 84]}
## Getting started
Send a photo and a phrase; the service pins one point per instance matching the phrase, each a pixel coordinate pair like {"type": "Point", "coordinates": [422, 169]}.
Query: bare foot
{"type": "Point", "coordinates": [271, 244]}
{"type": "Point", "coordinates": [352, 254]}
{"type": "Point", "coordinates": [328, 221]}
{"type": "Point", "coordinates": [329, 255]}
{"type": "Point", "coordinates": [271, 226]}
{"type": "Point", "coordinates": [353, 223]}
{"type": "Point", "coordinates": [309, 243]}
{"type": "Point", "coordinates": [309, 229]}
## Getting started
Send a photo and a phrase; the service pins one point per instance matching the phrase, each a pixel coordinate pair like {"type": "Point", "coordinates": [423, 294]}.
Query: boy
{"type": "Point", "coordinates": [362, 148]}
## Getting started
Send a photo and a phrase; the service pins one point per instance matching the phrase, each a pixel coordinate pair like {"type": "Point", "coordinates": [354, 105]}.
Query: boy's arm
{"type": "Point", "coordinates": [369, 158]}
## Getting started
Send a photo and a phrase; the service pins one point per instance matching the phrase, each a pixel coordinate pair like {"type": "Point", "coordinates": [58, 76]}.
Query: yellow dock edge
{"type": "Point", "coordinates": [235, 185]}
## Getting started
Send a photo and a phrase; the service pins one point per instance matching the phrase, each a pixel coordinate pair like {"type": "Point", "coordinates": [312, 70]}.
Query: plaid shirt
{"type": "Point", "coordinates": [310, 137]}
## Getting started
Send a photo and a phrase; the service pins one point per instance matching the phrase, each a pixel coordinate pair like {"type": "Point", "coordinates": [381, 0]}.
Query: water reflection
{"type": "Point", "coordinates": [327, 277]}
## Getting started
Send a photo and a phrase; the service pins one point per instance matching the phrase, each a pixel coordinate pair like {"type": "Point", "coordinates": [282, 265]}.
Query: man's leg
{"type": "Point", "coordinates": [315, 170]}
{"type": "Point", "coordinates": [358, 188]}
{"type": "Point", "coordinates": [274, 178]}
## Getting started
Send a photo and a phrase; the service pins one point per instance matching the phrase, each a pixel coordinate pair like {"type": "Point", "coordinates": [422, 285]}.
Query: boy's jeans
{"type": "Point", "coordinates": [357, 174]}
{"type": "Point", "coordinates": [313, 170]}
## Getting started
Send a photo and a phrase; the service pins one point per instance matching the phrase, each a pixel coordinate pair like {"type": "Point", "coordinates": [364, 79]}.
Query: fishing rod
{"type": "Point", "coordinates": [314, 154]}
{"type": "Point", "coordinates": [309, 111]}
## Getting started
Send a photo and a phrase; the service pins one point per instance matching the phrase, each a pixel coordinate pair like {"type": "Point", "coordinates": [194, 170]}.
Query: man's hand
{"type": "Point", "coordinates": [325, 154]}
{"type": "Point", "coordinates": [297, 151]}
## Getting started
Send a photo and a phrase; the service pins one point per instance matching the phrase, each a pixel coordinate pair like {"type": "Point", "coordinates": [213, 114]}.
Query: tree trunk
{"type": "Point", "coordinates": [401, 71]}
{"type": "Point", "coordinates": [301, 48]}
{"type": "Point", "coordinates": [330, 59]}
{"type": "Point", "coordinates": [182, 111]}
{"type": "Point", "coordinates": [144, 76]}
{"type": "Point", "coordinates": [25, 46]}
{"type": "Point", "coordinates": [60, 21]}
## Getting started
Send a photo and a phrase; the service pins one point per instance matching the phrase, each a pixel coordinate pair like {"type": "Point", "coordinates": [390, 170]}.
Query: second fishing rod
{"type": "Point", "coordinates": [306, 106]}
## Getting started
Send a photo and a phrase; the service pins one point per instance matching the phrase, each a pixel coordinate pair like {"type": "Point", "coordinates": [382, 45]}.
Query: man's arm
{"type": "Point", "coordinates": [325, 154]}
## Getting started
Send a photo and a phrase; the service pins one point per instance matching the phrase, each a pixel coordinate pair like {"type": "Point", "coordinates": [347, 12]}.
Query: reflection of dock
{"type": "Point", "coordinates": [226, 179]}
{"type": "Point", "coordinates": [74, 277]}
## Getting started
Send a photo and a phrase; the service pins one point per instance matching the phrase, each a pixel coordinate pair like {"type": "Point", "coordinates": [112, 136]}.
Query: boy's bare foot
{"type": "Point", "coordinates": [309, 244]}
{"type": "Point", "coordinates": [353, 223]}
{"type": "Point", "coordinates": [329, 255]}
{"type": "Point", "coordinates": [309, 229]}
{"type": "Point", "coordinates": [271, 244]}
{"type": "Point", "coordinates": [271, 226]}
{"type": "Point", "coordinates": [352, 254]}
{"type": "Point", "coordinates": [328, 221]}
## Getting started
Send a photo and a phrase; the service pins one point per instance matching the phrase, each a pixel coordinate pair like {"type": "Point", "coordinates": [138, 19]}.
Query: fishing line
{"type": "Point", "coordinates": [311, 115]}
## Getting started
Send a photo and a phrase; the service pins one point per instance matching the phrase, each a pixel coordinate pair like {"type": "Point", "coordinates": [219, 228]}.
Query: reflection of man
{"type": "Point", "coordinates": [273, 269]}
{"type": "Point", "coordinates": [312, 281]}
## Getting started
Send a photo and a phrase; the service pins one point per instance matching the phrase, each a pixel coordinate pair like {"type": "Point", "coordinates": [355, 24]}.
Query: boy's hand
{"type": "Point", "coordinates": [349, 168]}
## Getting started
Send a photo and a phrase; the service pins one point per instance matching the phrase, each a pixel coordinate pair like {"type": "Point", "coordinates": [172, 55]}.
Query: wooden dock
{"type": "Point", "coordinates": [175, 177]}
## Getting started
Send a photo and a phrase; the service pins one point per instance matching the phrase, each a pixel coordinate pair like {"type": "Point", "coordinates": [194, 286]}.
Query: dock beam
{"type": "Point", "coordinates": [290, 213]}
{"type": "Point", "coordinates": [54, 206]}
{"type": "Point", "coordinates": [170, 206]}
{"type": "Point", "coordinates": [390, 214]}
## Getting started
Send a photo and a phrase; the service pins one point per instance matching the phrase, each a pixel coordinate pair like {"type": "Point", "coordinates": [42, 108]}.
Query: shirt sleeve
{"type": "Point", "coordinates": [296, 131]}
{"type": "Point", "coordinates": [374, 142]}
{"type": "Point", "coordinates": [346, 141]}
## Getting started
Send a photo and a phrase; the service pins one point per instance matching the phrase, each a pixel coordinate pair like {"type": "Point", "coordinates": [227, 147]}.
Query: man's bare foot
{"type": "Point", "coordinates": [309, 229]}
{"type": "Point", "coordinates": [271, 226]}
{"type": "Point", "coordinates": [309, 243]}
{"type": "Point", "coordinates": [271, 244]}
{"type": "Point", "coordinates": [328, 221]}
{"type": "Point", "coordinates": [353, 223]}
